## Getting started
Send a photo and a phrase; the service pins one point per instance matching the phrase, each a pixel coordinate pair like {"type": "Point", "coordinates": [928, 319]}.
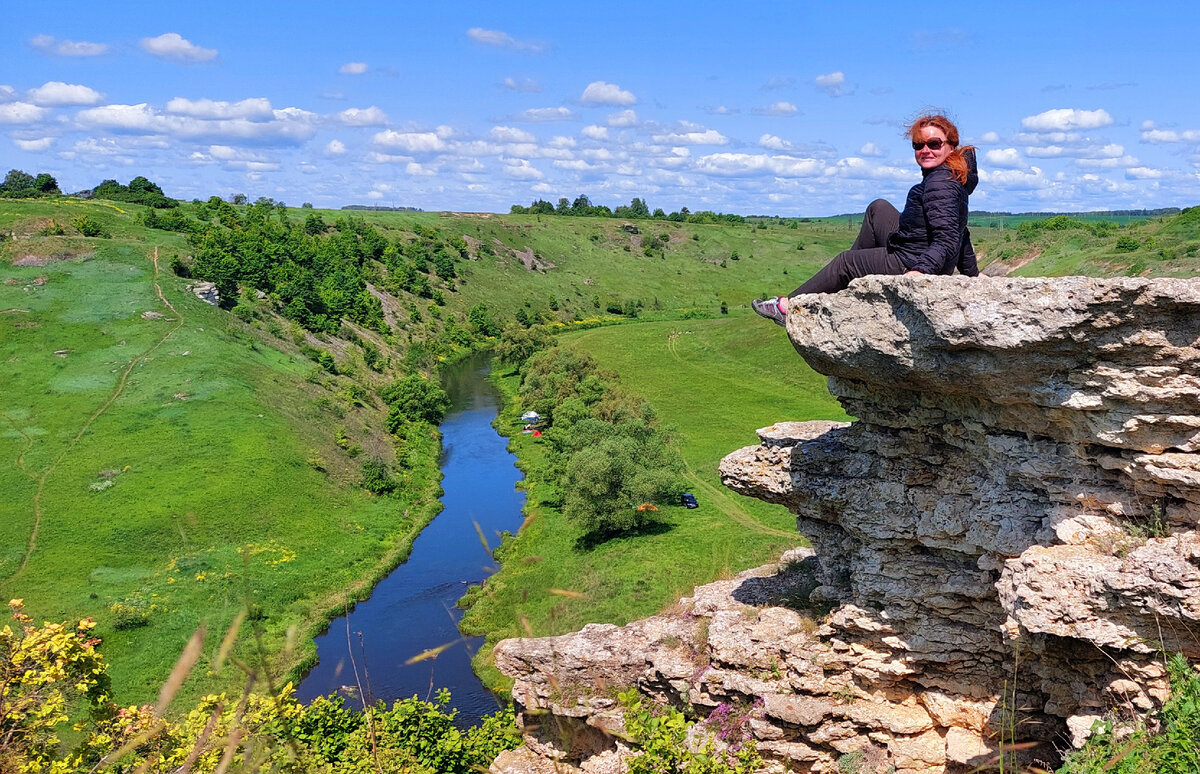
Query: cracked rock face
{"type": "Point", "coordinates": [1005, 538]}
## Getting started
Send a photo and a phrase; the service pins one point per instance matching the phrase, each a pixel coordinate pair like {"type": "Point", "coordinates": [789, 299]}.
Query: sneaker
{"type": "Point", "coordinates": [769, 308]}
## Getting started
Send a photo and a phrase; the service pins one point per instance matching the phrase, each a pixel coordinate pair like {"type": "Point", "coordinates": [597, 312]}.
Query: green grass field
{"type": "Point", "coordinates": [146, 437]}
{"type": "Point", "coordinates": [157, 454]}
{"type": "Point", "coordinates": [714, 381]}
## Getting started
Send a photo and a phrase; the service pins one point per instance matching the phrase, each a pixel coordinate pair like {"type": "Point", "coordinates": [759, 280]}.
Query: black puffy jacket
{"type": "Point", "coordinates": [933, 236]}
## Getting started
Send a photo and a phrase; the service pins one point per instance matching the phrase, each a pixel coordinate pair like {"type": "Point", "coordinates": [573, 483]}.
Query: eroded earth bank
{"type": "Point", "coordinates": [1004, 542]}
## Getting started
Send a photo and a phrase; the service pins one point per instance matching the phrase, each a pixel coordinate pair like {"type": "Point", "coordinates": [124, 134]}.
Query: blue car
{"type": "Point", "coordinates": [688, 499]}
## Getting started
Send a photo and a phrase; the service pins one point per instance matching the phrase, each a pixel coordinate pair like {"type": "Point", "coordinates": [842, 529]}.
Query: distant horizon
{"type": "Point", "coordinates": [472, 106]}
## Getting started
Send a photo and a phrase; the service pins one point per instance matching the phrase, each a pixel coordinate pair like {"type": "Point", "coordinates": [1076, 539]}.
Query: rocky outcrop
{"type": "Point", "coordinates": [1004, 540]}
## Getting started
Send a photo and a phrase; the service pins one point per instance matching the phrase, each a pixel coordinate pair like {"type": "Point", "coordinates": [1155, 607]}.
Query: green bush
{"type": "Point", "coordinates": [377, 477]}
{"type": "Point", "coordinates": [1126, 244]}
{"type": "Point", "coordinates": [414, 399]}
{"type": "Point", "coordinates": [88, 227]}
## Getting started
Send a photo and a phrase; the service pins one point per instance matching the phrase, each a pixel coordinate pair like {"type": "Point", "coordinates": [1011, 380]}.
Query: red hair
{"type": "Point", "coordinates": [955, 161]}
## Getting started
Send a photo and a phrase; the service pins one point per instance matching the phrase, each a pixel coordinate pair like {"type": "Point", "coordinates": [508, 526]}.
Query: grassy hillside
{"type": "Point", "coordinates": [146, 437]}
{"type": "Point", "coordinates": [713, 381]}
{"type": "Point", "coordinates": [163, 462]}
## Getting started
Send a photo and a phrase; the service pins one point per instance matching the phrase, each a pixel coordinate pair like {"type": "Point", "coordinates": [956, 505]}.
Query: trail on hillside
{"type": "Point", "coordinates": [112, 398]}
{"type": "Point", "coordinates": [729, 506]}
{"type": "Point", "coordinates": [722, 499]}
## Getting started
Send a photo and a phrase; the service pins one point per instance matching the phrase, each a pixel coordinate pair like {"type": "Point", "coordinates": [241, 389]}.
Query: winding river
{"type": "Point", "coordinates": [412, 610]}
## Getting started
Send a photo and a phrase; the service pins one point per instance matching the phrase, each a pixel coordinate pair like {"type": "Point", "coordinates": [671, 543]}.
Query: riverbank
{"type": "Point", "coordinates": [549, 584]}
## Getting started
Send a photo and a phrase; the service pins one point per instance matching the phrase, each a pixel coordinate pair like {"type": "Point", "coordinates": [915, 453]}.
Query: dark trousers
{"type": "Point", "coordinates": [868, 254]}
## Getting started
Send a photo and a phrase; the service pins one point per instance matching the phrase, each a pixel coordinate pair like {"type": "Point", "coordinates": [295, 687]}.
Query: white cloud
{"type": "Point", "coordinates": [503, 40]}
{"type": "Point", "coordinates": [353, 68]}
{"type": "Point", "coordinates": [35, 146]}
{"type": "Point", "coordinates": [1014, 179]}
{"type": "Point", "coordinates": [603, 93]}
{"type": "Point", "coordinates": [50, 45]}
{"type": "Point", "coordinates": [335, 148]}
{"type": "Point", "coordinates": [1004, 157]}
{"type": "Point", "coordinates": [375, 157]}
{"type": "Point", "coordinates": [238, 158]}
{"type": "Point", "coordinates": [123, 149]}
{"type": "Point", "coordinates": [854, 168]}
{"type": "Point", "coordinates": [410, 142]}
{"type": "Point", "coordinates": [691, 134]}
{"type": "Point", "coordinates": [833, 84]}
{"type": "Point", "coordinates": [172, 45]}
{"type": "Point", "coordinates": [871, 150]}
{"type": "Point", "coordinates": [523, 85]}
{"type": "Point", "coordinates": [543, 115]}
{"type": "Point", "coordinates": [520, 169]}
{"type": "Point", "coordinates": [748, 165]}
{"type": "Point", "coordinates": [561, 141]}
{"type": "Point", "coordinates": [594, 132]}
{"type": "Point", "coordinates": [371, 116]}
{"type": "Point", "coordinates": [54, 93]}
{"type": "Point", "coordinates": [575, 165]}
{"type": "Point", "coordinates": [721, 110]}
{"type": "Point", "coordinates": [21, 113]}
{"type": "Point", "coordinates": [511, 134]}
{"type": "Point", "coordinates": [1159, 136]}
{"type": "Point", "coordinates": [777, 109]}
{"type": "Point", "coordinates": [289, 125]}
{"type": "Point", "coordinates": [1067, 119]}
{"type": "Point", "coordinates": [1108, 163]}
{"type": "Point", "coordinates": [623, 118]}
{"type": "Point", "coordinates": [990, 138]}
{"type": "Point", "coordinates": [771, 142]}
{"type": "Point", "coordinates": [253, 108]}
{"type": "Point", "coordinates": [374, 194]}
{"type": "Point", "coordinates": [1082, 149]}
{"type": "Point", "coordinates": [7, 93]}
{"type": "Point", "coordinates": [1143, 173]}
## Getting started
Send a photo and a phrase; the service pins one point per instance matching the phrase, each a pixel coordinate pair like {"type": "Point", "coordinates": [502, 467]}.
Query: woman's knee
{"type": "Point", "coordinates": [879, 205]}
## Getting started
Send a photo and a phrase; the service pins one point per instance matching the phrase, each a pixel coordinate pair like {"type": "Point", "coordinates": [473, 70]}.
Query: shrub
{"type": "Point", "coordinates": [88, 227]}
{"type": "Point", "coordinates": [1126, 244]}
{"type": "Point", "coordinates": [377, 476]}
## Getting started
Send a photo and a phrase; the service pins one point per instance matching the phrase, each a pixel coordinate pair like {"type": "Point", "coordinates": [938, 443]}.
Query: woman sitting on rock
{"type": "Point", "coordinates": [929, 237]}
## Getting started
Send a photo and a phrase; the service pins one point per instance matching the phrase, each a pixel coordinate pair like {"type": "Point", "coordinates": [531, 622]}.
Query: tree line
{"type": "Point", "coordinates": [636, 209]}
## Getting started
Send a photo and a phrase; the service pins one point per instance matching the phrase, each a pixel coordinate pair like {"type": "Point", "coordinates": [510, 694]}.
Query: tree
{"type": "Point", "coordinates": [46, 184]}
{"type": "Point", "coordinates": [581, 206]}
{"type": "Point", "coordinates": [238, 198]}
{"type": "Point", "coordinates": [414, 399]}
{"type": "Point", "coordinates": [313, 224]}
{"type": "Point", "coordinates": [17, 180]}
{"type": "Point", "coordinates": [614, 469]}
{"type": "Point", "coordinates": [481, 322]}
{"type": "Point", "coordinates": [518, 343]}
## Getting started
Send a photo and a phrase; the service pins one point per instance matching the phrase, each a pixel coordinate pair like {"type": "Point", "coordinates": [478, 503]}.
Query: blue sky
{"type": "Point", "coordinates": [752, 107]}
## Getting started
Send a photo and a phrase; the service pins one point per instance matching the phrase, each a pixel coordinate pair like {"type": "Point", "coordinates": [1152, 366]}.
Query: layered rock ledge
{"type": "Point", "coordinates": [1005, 540]}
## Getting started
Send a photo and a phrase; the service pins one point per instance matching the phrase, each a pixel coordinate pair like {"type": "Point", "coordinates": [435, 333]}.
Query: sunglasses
{"type": "Point", "coordinates": [934, 144]}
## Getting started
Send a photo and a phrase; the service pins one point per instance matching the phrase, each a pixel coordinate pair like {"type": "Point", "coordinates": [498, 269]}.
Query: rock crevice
{"type": "Point", "coordinates": [1004, 541]}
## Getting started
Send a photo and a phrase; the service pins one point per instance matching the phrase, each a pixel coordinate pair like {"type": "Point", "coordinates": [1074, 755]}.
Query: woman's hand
{"type": "Point", "coordinates": [911, 272]}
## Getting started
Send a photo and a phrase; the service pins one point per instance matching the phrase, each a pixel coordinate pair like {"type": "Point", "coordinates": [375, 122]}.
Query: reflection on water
{"type": "Point", "coordinates": [412, 610]}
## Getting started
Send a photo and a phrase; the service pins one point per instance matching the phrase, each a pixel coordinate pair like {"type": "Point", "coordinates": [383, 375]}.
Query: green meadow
{"type": "Point", "coordinates": [714, 381]}
{"type": "Point", "coordinates": [164, 463]}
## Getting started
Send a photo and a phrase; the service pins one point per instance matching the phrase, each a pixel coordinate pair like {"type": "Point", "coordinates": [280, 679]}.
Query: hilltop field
{"type": "Point", "coordinates": [165, 463]}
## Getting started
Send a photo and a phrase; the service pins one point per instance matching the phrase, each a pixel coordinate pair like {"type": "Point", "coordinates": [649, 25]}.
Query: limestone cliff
{"type": "Point", "coordinates": [1005, 540]}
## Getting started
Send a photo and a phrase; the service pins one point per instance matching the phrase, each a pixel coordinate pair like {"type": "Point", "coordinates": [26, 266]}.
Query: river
{"type": "Point", "coordinates": [412, 610]}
